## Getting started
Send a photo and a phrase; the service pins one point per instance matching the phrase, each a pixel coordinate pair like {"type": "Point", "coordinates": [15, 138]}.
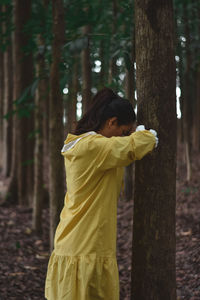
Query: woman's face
{"type": "Point", "coordinates": [111, 128]}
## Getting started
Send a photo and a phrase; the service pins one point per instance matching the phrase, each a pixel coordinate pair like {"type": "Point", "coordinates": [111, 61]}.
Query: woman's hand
{"type": "Point", "coordinates": [142, 127]}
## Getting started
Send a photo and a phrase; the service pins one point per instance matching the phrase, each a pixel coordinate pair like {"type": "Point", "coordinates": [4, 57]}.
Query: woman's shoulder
{"type": "Point", "coordinates": [72, 141]}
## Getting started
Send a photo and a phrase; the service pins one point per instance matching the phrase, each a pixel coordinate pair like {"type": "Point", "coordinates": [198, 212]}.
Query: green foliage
{"type": "Point", "coordinates": [25, 103]}
{"type": "Point", "coordinates": [28, 162]}
{"type": "Point", "coordinates": [18, 245]}
{"type": "Point", "coordinates": [111, 32]}
{"type": "Point", "coordinates": [6, 2]}
{"type": "Point", "coordinates": [188, 45]}
{"type": "Point", "coordinates": [33, 133]}
{"type": "Point", "coordinates": [190, 190]}
{"type": "Point", "coordinates": [6, 25]}
{"type": "Point", "coordinates": [9, 115]}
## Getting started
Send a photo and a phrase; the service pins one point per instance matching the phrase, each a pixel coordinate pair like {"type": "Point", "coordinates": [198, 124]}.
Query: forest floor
{"type": "Point", "coordinates": [24, 255]}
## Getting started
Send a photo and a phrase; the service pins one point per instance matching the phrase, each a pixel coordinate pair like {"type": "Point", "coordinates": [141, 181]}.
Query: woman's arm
{"type": "Point", "coordinates": [121, 151]}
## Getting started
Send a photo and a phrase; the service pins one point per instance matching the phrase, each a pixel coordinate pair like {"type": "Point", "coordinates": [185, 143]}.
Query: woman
{"type": "Point", "coordinates": [83, 264]}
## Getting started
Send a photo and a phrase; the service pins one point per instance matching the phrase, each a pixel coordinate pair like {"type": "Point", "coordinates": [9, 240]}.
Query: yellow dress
{"type": "Point", "coordinates": [83, 264]}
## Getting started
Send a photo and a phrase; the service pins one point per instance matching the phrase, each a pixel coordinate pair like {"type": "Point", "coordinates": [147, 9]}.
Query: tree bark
{"type": "Point", "coordinates": [38, 151]}
{"type": "Point", "coordinates": [8, 97]}
{"type": "Point", "coordinates": [86, 72]}
{"type": "Point", "coordinates": [12, 190]}
{"type": "Point", "coordinates": [112, 64]}
{"type": "Point", "coordinates": [46, 117]}
{"type": "Point", "coordinates": [72, 99]}
{"type": "Point", "coordinates": [23, 78]}
{"type": "Point", "coordinates": [196, 123]}
{"type": "Point", "coordinates": [1, 86]}
{"type": "Point", "coordinates": [188, 104]}
{"type": "Point", "coordinates": [130, 95]}
{"type": "Point", "coordinates": [153, 272]}
{"type": "Point", "coordinates": [56, 121]}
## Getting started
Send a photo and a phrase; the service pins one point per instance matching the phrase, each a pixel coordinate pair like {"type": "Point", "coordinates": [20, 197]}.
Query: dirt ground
{"type": "Point", "coordinates": [24, 255]}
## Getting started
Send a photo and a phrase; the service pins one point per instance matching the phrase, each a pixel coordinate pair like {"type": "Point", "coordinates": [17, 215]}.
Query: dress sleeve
{"type": "Point", "coordinates": [121, 151]}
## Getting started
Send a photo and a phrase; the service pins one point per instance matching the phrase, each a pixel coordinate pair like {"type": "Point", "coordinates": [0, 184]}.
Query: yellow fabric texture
{"type": "Point", "coordinates": [83, 264]}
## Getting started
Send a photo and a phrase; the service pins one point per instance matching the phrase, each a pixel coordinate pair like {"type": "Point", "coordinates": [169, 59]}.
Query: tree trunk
{"type": "Point", "coordinates": [46, 104]}
{"type": "Point", "coordinates": [181, 86]}
{"type": "Point", "coordinates": [153, 272]}
{"type": "Point", "coordinates": [188, 103]}
{"type": "Point", "coordinates": [1, 86]}
{"type": "Point", "coordinates": [12, 190]}
{"type": "Point", "coordinates": [56, 121]}
{"type": "Point", "coordinates": [38, 151]}
{"type": "Point", "coordinates": [196, 123]}
{"type": "Point", "coordinates": [72, 99]}
{"type": "Point", "coordinates": [130, 95]}
{"type": "Point", "coordinates": [86, 72]}
{"type": "Point", "coordinates": [23, 78]}
{"type": "Point", "coordinates": [112, 64]}
{"type": "Point", "coordinates": [102, 75]}
{"type": "Point", "coordinates": [30, 160]}
{"type": "Point", "coordinates": [46, 117]}
{"type": "Point", "coordinates": [8, 97]}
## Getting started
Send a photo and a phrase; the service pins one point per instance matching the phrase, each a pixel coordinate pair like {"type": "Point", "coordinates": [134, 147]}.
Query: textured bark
{"type": "Point", "coordinates": [196, 123]}
{"type": "Point", "coordinates": [128, 182]}
{"type": "Point", "coordinates": [30, 159]}
{"type": "Point", "coordinates": [188, 104]}
{"type": "Point", "coordinates": [72, 99]}
{"type": "Point", "coordinates": [153, 272]}
{"type": "Point", "coordinates": [112, 70]}
{"type": "Point", "coordinates": [1, 85]}
{"type": "Point", "coordinates": [112, 64]}
{"type": "Point", "coordinates": [23, 78]}
{"type": "Point", "coordinates": [7, 123]}
{"type": "Point", "coordinates": [1, 94]}
{"type": "Point", "coordinates": [46, 117]}
{"type": "Point", "coordinates": [12, 190]}
{"type": "Point", "coordinates": [38, 151]}
{"type": "Point", "coordinates": [130, 93]}
{"type": "Point", "coordinates": [86, 72]}
{"type": "Point", "coordinates": [46, 3]}
{"type": "Point", "coordinates": [56, 121]}
{"type": "Point", "coordinates": [8, 97]}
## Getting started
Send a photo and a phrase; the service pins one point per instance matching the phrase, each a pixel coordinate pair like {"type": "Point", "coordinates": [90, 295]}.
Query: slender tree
{"type": "Point", "coordinates": [56, 120]}
{"type": "Point", "coordinates": [196, 126]}
{"type": "Point", "coordinates": [72, 97]}
{"type": "Point", "coordinates": [38, 151]}
{"type": "Point", "coordinates": [196, 121]}
{"type": "Point", "coordinates": [155, 179]}
{"type": "Point", "coordinates": [102, 77]}
{"type": "Point", "coordinates": [23, 65]}
{"type": "Point", "coordinates": [86, 70]}
{"type": "Point", "coordinates": [8, 96]}
{"type": "Point", "coordinates": [188, 102]}
{"type": "Point", "coordinates": [112, 64]}
{"type": "Point", "coordinates": [1, 77]}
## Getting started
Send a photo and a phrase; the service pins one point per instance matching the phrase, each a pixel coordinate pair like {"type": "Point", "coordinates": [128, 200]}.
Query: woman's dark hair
{"type": "Point", "coordinates": [105, 105]}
